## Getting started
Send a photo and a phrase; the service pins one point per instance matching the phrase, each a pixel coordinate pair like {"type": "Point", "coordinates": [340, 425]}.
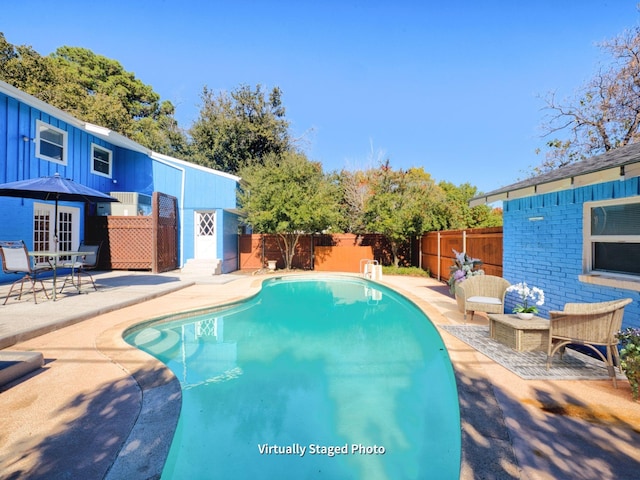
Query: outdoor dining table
{"type": "Point", "coordinates": [52, 259]}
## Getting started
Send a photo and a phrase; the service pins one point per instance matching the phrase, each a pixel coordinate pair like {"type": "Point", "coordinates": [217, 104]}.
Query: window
{"type": "Point", "coordinates": [207, 224]}
{"type": "Point", "coordinates": [51, 143]}
{"type": "Point", "coordinates": [101, 160]}
{"type": "Point", "coordinates": [612, 237]}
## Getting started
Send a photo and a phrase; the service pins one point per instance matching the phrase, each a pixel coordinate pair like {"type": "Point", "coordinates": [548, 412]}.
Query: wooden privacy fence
{"type": "Point", "coordinates": [138, 242]}
{"type": "Point", "coordinates": [343, 252]}
{"type": "Point", "coordinates": [337, 253]}
{"type": "Point", "coordinates": [437, 254]}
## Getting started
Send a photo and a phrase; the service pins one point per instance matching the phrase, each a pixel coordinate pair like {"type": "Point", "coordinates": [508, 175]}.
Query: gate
{"type": "Point", "coordinates": [165, 225]}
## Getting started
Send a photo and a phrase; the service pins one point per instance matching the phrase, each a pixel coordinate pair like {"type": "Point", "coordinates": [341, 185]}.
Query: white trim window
{"type": "Point", "coordinates": [101, 160]}
{"type": "Point", "coordinates": [611, 244]}
{"type": "Point", "coordinates": [51, 143]}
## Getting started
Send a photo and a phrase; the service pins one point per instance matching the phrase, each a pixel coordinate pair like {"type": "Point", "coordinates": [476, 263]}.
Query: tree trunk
{"type": "Point", "coordinates": [288, 247]}
{"type": "Point", "coordinates": [394, 251]}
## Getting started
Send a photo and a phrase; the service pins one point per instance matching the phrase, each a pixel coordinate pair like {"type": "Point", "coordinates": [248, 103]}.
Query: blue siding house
{"type": "Point", "coordinates": [38, 140]}
{"type": "Point", "coordinates": [575, 232]}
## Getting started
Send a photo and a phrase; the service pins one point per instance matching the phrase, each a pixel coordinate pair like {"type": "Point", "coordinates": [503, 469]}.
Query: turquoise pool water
{"type": "Point", "coordinates": [336, 378]}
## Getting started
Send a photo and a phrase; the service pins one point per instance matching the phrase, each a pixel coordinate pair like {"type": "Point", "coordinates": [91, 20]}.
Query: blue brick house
{"type": "Point", "coordinates": [38, 140]}
{"type": "Point", "coordinates": [575, 232]}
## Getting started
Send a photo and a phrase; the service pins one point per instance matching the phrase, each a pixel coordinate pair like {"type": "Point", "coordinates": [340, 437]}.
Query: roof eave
{"type": "Point", "coordinates": [532, 186]}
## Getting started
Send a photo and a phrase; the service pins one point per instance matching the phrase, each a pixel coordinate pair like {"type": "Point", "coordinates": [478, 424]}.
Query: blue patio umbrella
{"type": "Point", "coordinates": [53, 188]}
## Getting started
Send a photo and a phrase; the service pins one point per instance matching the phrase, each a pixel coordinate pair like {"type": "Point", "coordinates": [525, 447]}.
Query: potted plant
{"type": "Point", "coordinates": [464, 267]}
{"type": "Point", "coordinates": [630, 357]}
{"type": "Point", "coordinates": [531, 298]}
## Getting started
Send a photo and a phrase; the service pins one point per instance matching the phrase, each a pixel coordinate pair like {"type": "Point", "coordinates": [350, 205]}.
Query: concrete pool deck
{"type": "Point", "coordinates": [101, 409]}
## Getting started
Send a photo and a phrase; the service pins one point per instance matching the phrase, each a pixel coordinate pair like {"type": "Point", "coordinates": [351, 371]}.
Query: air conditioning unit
{"type": "Point", "coordinates": [128, 204]}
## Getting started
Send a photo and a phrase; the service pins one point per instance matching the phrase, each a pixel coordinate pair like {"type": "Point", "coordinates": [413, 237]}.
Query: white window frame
{"type": "Point", "coordinates": [597, 277]}
{"type": "Point", "coordinates": [95, 146]}
{"type": "Point", "coordinates": [40, 127]}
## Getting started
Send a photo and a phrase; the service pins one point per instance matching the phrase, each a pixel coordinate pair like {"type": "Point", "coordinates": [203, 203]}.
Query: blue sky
{"type": "Point", "coordinates": [451, 86]}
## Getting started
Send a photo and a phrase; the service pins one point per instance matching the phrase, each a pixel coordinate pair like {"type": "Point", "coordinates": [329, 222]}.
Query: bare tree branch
{"type": "Point", "coordinates": [603, 115]}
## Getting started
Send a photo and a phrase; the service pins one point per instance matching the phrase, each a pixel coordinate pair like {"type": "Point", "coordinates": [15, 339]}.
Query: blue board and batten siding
{"type": "Point", "coordinates": [18, 157]}
{"type": "Point", "coordinates": [195, 187]}
{"type": "Point", "coordinates": [134, 169]}
{"type": "Point", "coordinates": [203, 191]}
{"type": "Point", "coordinates": [542, 245]}
{"type": "Point", "coordinates": [18, 161]}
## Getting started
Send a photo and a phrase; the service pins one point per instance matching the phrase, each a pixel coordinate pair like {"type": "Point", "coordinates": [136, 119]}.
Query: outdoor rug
{"type": "Point", "coordinates": [531, 365]}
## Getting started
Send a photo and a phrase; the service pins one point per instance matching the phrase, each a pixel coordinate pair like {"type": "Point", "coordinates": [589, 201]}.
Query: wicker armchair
{"type": "Point", "coordinates": [591, 325]}
{"type": "Point", "coordinates": [481, 293]}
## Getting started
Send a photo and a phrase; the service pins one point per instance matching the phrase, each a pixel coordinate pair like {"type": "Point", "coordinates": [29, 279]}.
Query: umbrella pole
{"type": "Point", "coordinates": [55, 249]}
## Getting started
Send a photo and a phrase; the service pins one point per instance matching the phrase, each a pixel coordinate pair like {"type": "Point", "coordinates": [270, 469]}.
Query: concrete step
{"type": "Point", "coordinates": [196, 266]}
{"type": "Point", "coordinates": [14, 364]}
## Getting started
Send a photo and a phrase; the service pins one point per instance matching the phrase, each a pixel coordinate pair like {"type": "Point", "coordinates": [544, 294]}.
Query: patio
{"type": "Point", "coordinates": [72, 417]}
{"type": "Point", "coordinates": [531, 365]}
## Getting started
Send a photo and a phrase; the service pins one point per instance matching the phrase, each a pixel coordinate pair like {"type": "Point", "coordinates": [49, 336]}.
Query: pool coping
{"type": "Point", "coordinates": [160, 389]}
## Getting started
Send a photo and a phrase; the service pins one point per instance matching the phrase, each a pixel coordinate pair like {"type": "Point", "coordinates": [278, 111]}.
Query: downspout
{"type": "Point", "coordinates": [181, 209]}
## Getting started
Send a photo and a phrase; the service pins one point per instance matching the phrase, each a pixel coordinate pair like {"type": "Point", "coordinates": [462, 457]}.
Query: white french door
{"type": "Point", "coordinates": [43, 228]}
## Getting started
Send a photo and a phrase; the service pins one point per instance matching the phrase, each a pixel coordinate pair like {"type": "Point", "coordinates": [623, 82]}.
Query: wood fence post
{"type": "Point", "coordinates": [313, 265]}
{"type": "Point", "coordinates": [439, 256]}
{"type": "Point", "coordinates": [155, 214]}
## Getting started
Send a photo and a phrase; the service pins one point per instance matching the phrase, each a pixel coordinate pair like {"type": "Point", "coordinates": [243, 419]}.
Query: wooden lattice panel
{"type": "Point", "coordinates": [166, 208]}
{"type": "Point", "coordinates": [138, 242]}
{"type": "Point", "coordinates": [130, 243]}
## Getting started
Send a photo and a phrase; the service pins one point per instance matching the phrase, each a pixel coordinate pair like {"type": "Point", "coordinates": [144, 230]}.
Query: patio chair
{"type": "Point", "coordinates": [481, 293]}
{"type": "Point", "coordinates": [15, 259]}
{"type": "Point", "coordinates": [591, 325]}
{"type": "Point", "coordinates": [81, 264]}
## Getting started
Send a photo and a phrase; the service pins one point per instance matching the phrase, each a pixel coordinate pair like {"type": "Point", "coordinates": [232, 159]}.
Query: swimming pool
{"type": "Point", "coordinates": [332, 377]}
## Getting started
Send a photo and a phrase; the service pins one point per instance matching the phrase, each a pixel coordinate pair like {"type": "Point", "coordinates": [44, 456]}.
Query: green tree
{"type": "Point", "coordinates": [456, 205]}
{"type": "Point", "coordinates": [160, 132]}
{"type": "Point", "coordinates": [288, 195]}
{"type": "Point", "coordinates": [239, 129]}
{"type": "Point", "coordinates": [483, 216]}
{"type": "Point", "coordinates": [24, 68]}
{"type": "Point", "coordinates": [604, 114]}
{"type": "Point", "coordinates": [402, 204]}
{"type": "Point", "coordinates": [457, 212]}
{"type": "Point", "coordinates": [95, 89]}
